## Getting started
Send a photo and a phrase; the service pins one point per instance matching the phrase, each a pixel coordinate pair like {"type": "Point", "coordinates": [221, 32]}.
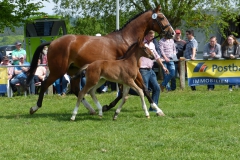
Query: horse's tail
{"type": "Point", "coordinates": [34, 62]}
{"type": "Point", "coordinates": [79, 73]}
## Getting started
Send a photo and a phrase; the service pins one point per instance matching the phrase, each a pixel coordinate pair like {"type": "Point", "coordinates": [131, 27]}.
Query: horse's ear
{"type": "Point", "coordinates": [158, 9]}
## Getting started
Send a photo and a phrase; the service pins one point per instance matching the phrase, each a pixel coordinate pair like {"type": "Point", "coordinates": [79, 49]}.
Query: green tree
{"type": "Point", "coordinates": [180, 13]}
{"type": "Point", "coordinates": [14, 12]}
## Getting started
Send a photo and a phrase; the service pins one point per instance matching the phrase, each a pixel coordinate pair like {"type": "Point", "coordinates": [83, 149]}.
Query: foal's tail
{"type": "Point", "coordinates": [79, 73]}
{"type": "Point", "coordinates": [34, 62]}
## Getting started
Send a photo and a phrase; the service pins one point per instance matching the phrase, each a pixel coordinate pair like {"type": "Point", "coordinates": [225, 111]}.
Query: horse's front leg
{"type": "Point", "coordinates": [44, 85]}
{"type": "Point", "coordinates": [125, 93]}
{"type": "Point", "coordinates": [114, 102]}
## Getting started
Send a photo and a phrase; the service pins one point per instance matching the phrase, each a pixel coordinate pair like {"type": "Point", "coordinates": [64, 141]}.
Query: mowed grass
{"type": "Point", "coordinates": [198, 125]}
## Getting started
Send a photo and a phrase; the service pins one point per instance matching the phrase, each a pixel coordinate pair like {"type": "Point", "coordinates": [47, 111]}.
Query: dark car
{"type": "Point", "coordinates": [7, 51]}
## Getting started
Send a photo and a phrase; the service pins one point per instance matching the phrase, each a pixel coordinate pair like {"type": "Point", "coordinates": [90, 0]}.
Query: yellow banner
{"type": "Point", "coordinates": [3, 75]}
{"type": "Point", "coordinates": [213, 72]}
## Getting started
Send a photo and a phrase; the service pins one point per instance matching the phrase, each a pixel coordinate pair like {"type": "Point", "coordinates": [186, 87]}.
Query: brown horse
{"type": "Point", "coordinates": [71, 52]}
{"type": "Point", "coordinates": [122, 71]}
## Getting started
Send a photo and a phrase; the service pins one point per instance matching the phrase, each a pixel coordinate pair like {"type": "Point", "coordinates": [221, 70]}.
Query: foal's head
{"type": "Point", "coordinates": [161, 23]}
{"type": "Point", "coordinates": [143, 50]}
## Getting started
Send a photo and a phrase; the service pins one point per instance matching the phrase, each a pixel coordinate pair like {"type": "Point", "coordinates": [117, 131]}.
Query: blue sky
{"type": "Point", "coordinates": [48, 7]}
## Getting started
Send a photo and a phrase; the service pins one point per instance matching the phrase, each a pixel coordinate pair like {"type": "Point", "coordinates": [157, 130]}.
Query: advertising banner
{"type": "Point", "coordinates": [3, 79]}
{"type": "Point", "coordinates": [211, 72]}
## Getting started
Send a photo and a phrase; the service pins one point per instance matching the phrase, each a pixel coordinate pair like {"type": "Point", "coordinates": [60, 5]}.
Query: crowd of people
{"type": "Point", "coordinates": [176, 48]}
{"type": "Point", "coordinates": [18, 68]}
{"type": "Point", "coordinates": [167, 51]}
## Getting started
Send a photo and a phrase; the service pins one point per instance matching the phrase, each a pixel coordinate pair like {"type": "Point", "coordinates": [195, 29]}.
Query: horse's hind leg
{"type": "Point", "coordinates": [124, 95]}
{"type": "Point", "coordinates": [45, 84]}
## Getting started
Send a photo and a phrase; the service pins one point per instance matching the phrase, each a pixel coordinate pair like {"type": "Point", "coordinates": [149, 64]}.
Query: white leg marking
{"type": "Point", "coordinates": [88, 106]}
{"type": "Point", "coordinates": [35, 108]}
{"type": "Point", "coordinates": [159, 111]}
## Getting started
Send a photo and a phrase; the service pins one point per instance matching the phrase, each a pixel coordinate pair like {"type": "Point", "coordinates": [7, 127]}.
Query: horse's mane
{"type": "Point", "coordinates": [127, 53]}
{"type": "Point", "coordinates": [131, 20]}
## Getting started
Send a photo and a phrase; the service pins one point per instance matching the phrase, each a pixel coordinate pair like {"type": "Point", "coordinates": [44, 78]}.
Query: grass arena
{"type": "Point", "coordinates": [197, 125]}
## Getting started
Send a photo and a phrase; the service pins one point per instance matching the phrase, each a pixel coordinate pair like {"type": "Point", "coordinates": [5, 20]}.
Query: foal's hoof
{"type": "Point", "coordinates": [32, 111]}
{"type": "Point", "coordinates": [72, 119]}
{"type": "Point", "coordinates": [148, 117]}
{"type": "Point", "coordinates": [92, 113]}
{"type": "Point", "coordinates": [160, 114]}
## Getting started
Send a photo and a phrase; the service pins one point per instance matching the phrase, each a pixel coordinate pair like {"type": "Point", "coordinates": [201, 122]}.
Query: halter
{"type": "Point", "coordinates": [154, 17]}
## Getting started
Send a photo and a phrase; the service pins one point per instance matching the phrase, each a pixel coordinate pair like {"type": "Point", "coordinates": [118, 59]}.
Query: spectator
{"type": "Point", "coordinates": [44, 55]}
{"type": "Point", "coordinates": [61, 85]}
{"type": "Point", "coordinates": [168, 51]}
{"type": "Point", "coordinates": [20, 76]}
{"type": "Point", "coordinates": [40, 73]}
{"type": "Point", "coordinates": [230, 50]}
{"type": "Point", "coordinates": [83, 80]}
{"type": "Point", "coordinates": [5, 62]}
{"type": "Point", "coordinates": [157, 46]}
{"type": "Point", "coordinates": [148, 75]}
{"type": "Point", "coordinates": [179, 44]}
{"type": "Point", "coordinates": [17, 52]}
{"type": "Point", "coordinates": [1, 57]}
{"type": "Point", "coordinates": [155, 64]}
{"type": "Point", "coordinates": [191, 49]}
{"type": "Point", "coordinates": [212, 50]}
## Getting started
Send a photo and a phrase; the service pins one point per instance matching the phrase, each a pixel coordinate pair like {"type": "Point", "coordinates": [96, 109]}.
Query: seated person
{"type": "Point", "coordinates": [61, 85]}
{"type": "Point", "coordinates": [40, 73]}
{"type": "Point", "coordinates": [20, 75]}
{"type": "Point", "coordinates": [5, 62]}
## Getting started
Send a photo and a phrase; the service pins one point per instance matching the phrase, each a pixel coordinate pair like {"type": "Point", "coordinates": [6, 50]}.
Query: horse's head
{"type": "Point", "coordinates": [145, 51]}
{"type": "Point", "coordinates": [161, 24]}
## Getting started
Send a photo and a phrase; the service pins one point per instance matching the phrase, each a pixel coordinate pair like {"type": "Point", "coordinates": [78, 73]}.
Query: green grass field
{"type": "Point", "coordinates": [198, 125]}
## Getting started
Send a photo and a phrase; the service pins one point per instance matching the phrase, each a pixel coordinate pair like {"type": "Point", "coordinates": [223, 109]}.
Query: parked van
{"type": "Point", "coordinates": [7, 51]}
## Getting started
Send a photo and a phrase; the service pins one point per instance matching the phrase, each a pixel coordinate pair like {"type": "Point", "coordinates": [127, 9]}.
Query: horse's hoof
{"type": "Point", "coordinates": [105, 108]}
{"type": "Point", "coordinates": [32, 111]}
{"type": "Point", "coordinates": [160, 114]}
{"type": "Point", "coordinates": [148, 117]}
{"type": "Point", "coordinates": [100, 117]}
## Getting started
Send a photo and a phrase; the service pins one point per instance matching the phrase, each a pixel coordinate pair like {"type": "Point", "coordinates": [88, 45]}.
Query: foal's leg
{"type": "Point", "coordinates": [88, 106]}
{"type": "Point", "coordinates": [93, 95]}
{"type": "Point", "coordinates": [124, 95]}
{"type": "Point", "coordinates": [81, 94]}
{"type": "Point", "coordinates": [75, 89]}
{"type": "Point", "coordinates": [140, 93]}
{"type": "Point", "coordinates": [140, 83]}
